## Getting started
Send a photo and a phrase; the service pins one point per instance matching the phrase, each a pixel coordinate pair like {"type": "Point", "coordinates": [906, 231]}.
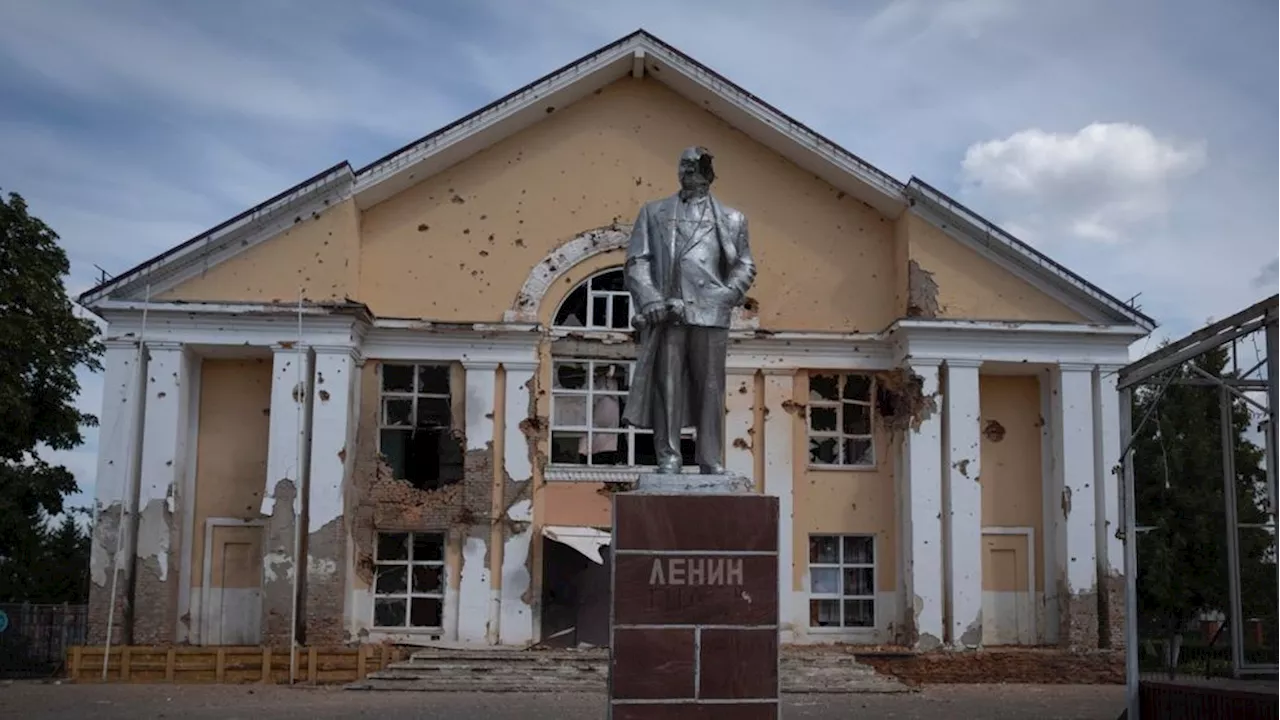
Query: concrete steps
{"type": "Point", "coordinates": [515, 670]}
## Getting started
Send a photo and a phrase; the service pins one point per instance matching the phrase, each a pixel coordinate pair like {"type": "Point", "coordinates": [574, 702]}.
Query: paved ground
{"type": "Point", "coordinates": [38, 701]}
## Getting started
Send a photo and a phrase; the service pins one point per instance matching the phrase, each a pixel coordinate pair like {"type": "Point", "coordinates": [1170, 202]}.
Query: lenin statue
{"type": "Point", "coordinates": [688, 265]}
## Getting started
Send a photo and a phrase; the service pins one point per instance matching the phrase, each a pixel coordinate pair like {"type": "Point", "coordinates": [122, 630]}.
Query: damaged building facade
{"type": "Point", "coordinates": [384, 405]}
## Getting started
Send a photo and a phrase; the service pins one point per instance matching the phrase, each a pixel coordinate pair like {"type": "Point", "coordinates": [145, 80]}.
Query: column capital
{"type": "Point", "coordinates": [520, 365]}
{"type": "Point", "coordinates": [289, 347]}
{"type": "Point", "coordinates": [479, 364]}
{"type": "Point", "coordinates": [963, 363]}
{"type": "Point", "coordinates": [1076, 366]}
{"type": "Point", "coordinates": [351, 350]}
{"type": "Point", "coordinates": [120, 344]}
{"type": "Point", "coordinates": [913, 362]}
{"type": "Point", "coordinates": [168, 345]}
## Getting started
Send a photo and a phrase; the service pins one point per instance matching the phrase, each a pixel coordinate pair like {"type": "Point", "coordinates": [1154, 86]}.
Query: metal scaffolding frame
{"type": "Point", "coordinates": [1160, 368]}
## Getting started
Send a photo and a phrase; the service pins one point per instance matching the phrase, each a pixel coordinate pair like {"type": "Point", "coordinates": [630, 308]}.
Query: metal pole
{"type": "Point", "coordinates": [1273, 359]}
{"type": "Point", "coordinates": [1128, 513]}
{"type": "Point", "coordinates": [1233, 531]}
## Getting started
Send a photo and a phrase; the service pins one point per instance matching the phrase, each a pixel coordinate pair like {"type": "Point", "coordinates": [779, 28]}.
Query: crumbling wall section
{"type": "Point", "coordinates": [1078, 621]}
{"type": "Point", "coordinates": [155, 581]}
{"type": "Point", "coordinates": [102, 565]}
{"type": "Point", "coordinates": [278, 566]}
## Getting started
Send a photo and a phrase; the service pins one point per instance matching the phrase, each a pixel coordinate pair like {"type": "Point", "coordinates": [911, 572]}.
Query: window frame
{"type": "Point", "coordinates": [839, 435]}
{"type": "Point", "coordinates": [840, 566]}
{"type": "Point", "coordinates": [610, 296]}
{"type": "Point", "coordinates": [409, 563]}
{"type": "Point", "coordinates": [590, 393]}
{"type": "Point", "coordinates": [414, 395]}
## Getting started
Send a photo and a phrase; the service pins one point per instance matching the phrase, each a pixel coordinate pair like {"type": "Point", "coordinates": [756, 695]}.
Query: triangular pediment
{"type": "Point", "coordinates": [638, 55]}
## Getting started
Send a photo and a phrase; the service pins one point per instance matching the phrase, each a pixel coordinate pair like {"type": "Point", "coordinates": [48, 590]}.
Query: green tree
{"type": "Point", "coordinates": [1183, 567]}
{"type": "Point", "coordinates": [42, 342]}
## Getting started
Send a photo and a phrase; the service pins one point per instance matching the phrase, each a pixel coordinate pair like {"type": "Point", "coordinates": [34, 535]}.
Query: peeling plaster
{"type": "Point", "coordinates": [922, 292]}
{"type": "Point", "coordinates": [473, 591]}
{"type": "Point", "coordinates": [154, 532]}
{"type": "Point", "coordinates": [516, 622]}
{"type": "Point", "coordinates": [521, 511]}
{"type": "Point", "coordinates": [557, 262]}
{"type": "Point", "coordinates": [273, 560]}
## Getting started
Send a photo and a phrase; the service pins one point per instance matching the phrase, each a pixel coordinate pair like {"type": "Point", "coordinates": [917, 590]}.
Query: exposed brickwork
{"type": "Point", "coordinates": [326, 584]}
{"type": "Point", "coordinates": [1031, 665]}
{"type": "Point", "coordinates": [278, 563]}
{"type": "Point", "coordinates": [1079, 620]}
{"type": "Point", "coordinates": [154, 603]}
{"type": "Point", "coordinates": [99, 609]}
{"type": "Point", "coordinates": [1113, 613]}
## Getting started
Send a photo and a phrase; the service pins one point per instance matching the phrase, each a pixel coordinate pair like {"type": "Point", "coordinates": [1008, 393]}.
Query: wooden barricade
{"type": "Point", "coordinates": [228, 664]}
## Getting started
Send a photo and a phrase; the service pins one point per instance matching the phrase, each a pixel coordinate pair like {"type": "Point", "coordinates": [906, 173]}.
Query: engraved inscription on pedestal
{"type": "Point", "coordinates": [695, 607]}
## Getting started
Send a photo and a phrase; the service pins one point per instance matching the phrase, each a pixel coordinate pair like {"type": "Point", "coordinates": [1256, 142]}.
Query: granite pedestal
{"type": "Point", "coordinates": [694, 616]}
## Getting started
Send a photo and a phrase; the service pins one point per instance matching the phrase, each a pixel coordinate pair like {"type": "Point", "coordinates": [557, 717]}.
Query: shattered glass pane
{"type": "Point", "coordinates": [427, 547]}
{"type": "Point", "coordinates": [566, 447]}
{"type": "Point", "coordinates": [824, 387]}
{"type": "Point", "coordinates": [393, 445]}
{"type": "Point", "coordinates": [573, 310]}
{"type": "Point", "coordinates": [397, 378]}
{"type": "Point", "coordinates": [610, 377]}
{"type": "Point", "coordinates": [393, 546]}
{"type": "Point", "coordinates": [388, 613]}
{"type": "Point", "coordinates": [600, 311]}
{"type": "Point", "coordinates": [859, 613]}
{"type": "Point", "coordinates": [427, 612]}
{"type": "Point", "coordinates": [621, 319]}
{"type": "Point", "coordinates": [859, 550]}
{"type": "Point", "coordinates": [606, 412]}
{"type": "Point", "coordinates": [433, 379]}
{"type": "Point", "coordinates": [859, 581]}
{"type": "Point", "coordinates": [434, 413]}
{"type": "Point", "coordinates": [822, 419]}
{"type": "Point", "coordinates": [822, 451]}
{"type": "Point", "coordinates": [857, 387]}
{"type": "Point", "coordinates": [824, 549]}
{"type": "Point", "coordinates": [824, 581]}
{"type": "Point", "coordinates": [611, 280]}
{"type": "Point", "coordinates": [428, 579]}
{"type": "Point", "coordinates": [569, 376]}
{"type": "Point", "coordinates": [569, 411]}
{"type": "Point", "coordinates": [397, 411]}
{"type": "Point", "coordinates": [609, 448]}
{"type": "Point", "coordinates": [824, 613]}
{"type": "Point", "coordinates": [858, 452]}
{"type": "Point", "coordinates": [857, 419]}
{"type": "Point", "coordinates": [392, 580]}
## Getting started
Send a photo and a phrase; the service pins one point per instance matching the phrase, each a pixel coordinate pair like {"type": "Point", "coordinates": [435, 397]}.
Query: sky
{"type": "Point", "coordinates": [1135, 142]}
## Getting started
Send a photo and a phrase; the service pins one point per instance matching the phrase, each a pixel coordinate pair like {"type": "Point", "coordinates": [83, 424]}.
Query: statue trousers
{"type": "Point", "coordinates": [691, 360]}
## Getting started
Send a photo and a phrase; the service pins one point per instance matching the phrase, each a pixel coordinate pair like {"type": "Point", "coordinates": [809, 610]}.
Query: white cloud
{"type": "Point", "coordinates": [1096, 184]}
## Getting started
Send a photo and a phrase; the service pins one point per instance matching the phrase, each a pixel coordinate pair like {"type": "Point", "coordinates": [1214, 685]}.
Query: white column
{"type": "Point", "coordinates": [516, 620]}
{"type": "Point", "coordinates": [779, 430]}
{"type": "Point", "coordinates": [1047, 622]}
{"type": "Point", "coordinates": [740, 400]}
{"type": "Point", "coordinates": [1106, 433]}
{"type": "Point", "coordinates": [479, 600]}
{"type": "Point", "coordinates": [335, 402]}
{"type": "Point", "coordinates": [164, 440]}
{"type": "Point", "coordinates": [119, 447]}
{"type": "Point", "coordinates": [290, 387]}
{"type": "Point", "coordinates": [1075, 506]}
{"type": "Point", "coordinates": [964, 516]}
{"type": "Point", "coordinates": [922, 513]}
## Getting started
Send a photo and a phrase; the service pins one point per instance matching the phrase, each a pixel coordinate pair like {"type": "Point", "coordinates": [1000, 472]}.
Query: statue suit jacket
{"type": "Point", "coordinates": [710, 273]}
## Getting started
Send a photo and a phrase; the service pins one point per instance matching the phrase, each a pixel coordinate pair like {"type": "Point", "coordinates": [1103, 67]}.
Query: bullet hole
{"type": "Point", "coordinates": [490, 237]}
{"type": "Point", "coordinates": [639, 181]}
{"type": "Point", "coordinates": [423, 227]}
{"type": "Point", "coordinates": [550, 109]}
{"type": "Point", "coordinates": [466, 231]}
{"type": "Point", "coordinates": [324, 396]}
{"type": "Point", "coordinates": [994, 431]}
{"type": "Point", "coordinates": [484, 253]}
{"type": "Point", "coordinates": [519, 242]}
{"type": "Point", "coordinates": [457, 199]}
{"type": "Point", "coordinates": [484, 217]}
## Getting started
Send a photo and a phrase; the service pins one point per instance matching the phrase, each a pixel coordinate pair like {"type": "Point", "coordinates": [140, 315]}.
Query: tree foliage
{"type": "Point", "coordinates": [49, 564]}
{"type": "Point", "coordinates": [42, 343]}
{"type": "Point", "coordinates": [1183, 566]}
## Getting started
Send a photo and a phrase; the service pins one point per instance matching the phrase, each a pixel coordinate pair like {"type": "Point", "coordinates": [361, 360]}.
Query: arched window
{"type": "Point", "coordinates": [601, 302]}
{"type": "Point", "coordinates": [590, 381]}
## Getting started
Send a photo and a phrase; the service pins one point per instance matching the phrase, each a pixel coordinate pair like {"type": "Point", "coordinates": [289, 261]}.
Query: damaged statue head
{"type": "Point", "coordinates": [688, 266]}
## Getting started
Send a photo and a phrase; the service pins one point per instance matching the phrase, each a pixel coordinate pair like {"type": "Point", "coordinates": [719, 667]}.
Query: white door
{"type": "Point", "coordinates": [1008, 599]}
{"type": "Point", "coordinates": [233, 593]}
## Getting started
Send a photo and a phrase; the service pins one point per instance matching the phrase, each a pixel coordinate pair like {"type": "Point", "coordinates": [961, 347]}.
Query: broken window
{"type": "Point", "coordinates": [601, 302]}
{"type": "Point", "coordinates": [842, 581]}
{"type": "Point", "coordinates": [839, 413]}
{"type": "Point", "coordinates": [415, 425]}
{"type": "Point", "coordinates": [588, 398]}
{"type": "Point", "coordinates": [408, 585]}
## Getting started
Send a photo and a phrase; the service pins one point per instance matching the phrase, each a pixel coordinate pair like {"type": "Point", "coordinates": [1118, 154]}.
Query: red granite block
{"type": "Point", "coordinates": [652, 663]}
{"type": "Point", "coordinates": [695, 522]}
{"type": "Point", "coordinates": [695, 589]}
{"type": "Point", "coordinates": [689, 711]}
{"type": "Point", "coordinates": [738, 664]}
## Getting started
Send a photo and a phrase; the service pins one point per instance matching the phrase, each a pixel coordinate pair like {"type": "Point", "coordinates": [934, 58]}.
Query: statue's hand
{"type": "Point", "coordinates": [654, 313]}
{"type": "Point", "coordinates": [675, 309]}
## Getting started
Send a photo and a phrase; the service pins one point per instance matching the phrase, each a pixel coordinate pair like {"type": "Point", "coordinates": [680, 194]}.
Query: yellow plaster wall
{"type": "Point", "coordinates": [842, 502]}
{"type": "Point", "coordinates": [231, 451]}
{"type": "Point", "coordinates": [459, 245]}
{"type": "Point", "coordinates": [971, 287]}
{"type": "Point", "coordinates": [1012, 491]}
{"type": "Point", "coordinates": [319, 254]}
